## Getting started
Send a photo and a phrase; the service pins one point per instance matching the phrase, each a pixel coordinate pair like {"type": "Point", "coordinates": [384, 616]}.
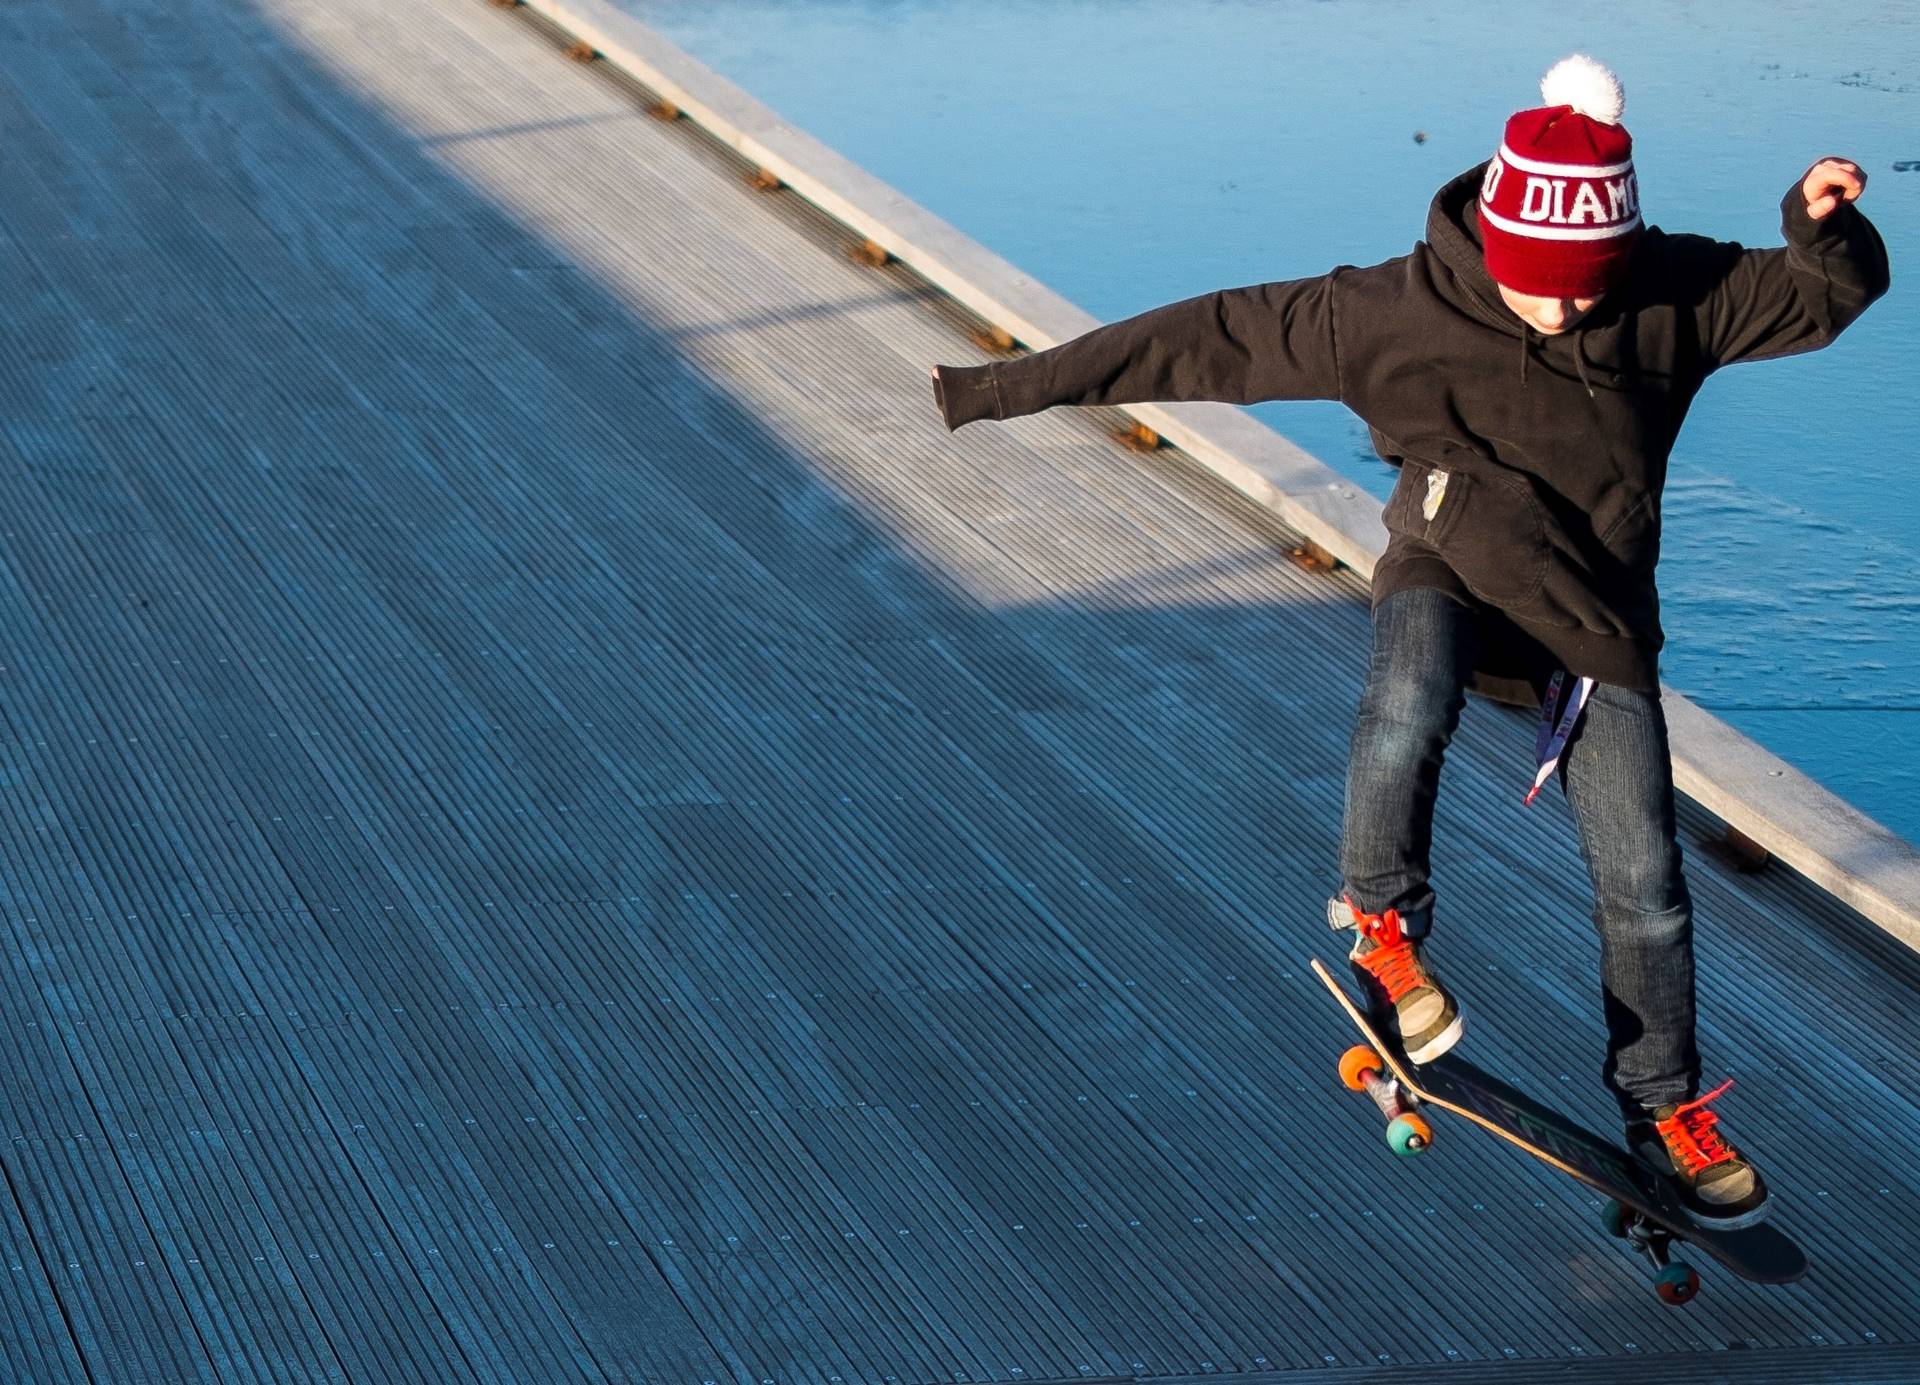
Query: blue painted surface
{"type": "Point", "coordinates": [1132, 154]}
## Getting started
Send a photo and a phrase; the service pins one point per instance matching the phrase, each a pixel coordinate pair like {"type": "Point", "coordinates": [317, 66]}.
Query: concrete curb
{"type": "Point", "coordinates": [1762, 797]}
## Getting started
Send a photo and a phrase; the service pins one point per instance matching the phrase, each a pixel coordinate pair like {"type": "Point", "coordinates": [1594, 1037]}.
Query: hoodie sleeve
{"type": "Point", "coordinates": [1235, 346]}
{"type": "Point", "coordinates": [1768, 303]}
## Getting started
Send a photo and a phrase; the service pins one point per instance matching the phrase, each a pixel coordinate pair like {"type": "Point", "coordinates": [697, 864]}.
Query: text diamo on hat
{"type": "Point", "coordinates": [1560, 206]}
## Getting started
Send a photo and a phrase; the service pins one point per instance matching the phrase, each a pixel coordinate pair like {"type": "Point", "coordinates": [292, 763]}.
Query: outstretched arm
{"type": "Point", "coordinates": [1237, 346]}
{"type": "Point", "coordinates": [1767, 303]}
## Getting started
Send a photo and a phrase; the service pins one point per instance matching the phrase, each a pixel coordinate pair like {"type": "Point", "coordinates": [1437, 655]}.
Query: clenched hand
{"type": "Point", "coordinates": [1831, 182]}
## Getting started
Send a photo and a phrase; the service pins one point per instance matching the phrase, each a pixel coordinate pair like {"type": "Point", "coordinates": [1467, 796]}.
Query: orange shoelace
{"type": "Point", "coordinates": [1391, 962]}
{"type": "Point", "coordinates": [1690, 1134]}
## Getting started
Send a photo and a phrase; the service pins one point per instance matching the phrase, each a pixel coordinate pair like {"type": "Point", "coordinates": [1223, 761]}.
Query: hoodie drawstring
{"type": "Point", "coordinates": [1579, 358]}
{"type": "Point", "coordinates": [1580, 364]}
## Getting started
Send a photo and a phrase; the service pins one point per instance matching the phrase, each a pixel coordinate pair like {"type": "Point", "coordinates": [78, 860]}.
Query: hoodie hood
{"type": "Point", "coordinates": [1453, 231]}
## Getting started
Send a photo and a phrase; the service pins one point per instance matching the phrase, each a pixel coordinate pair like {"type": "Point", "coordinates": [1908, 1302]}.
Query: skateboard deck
{"type": "Point", "coordinates": [1642, 1208]}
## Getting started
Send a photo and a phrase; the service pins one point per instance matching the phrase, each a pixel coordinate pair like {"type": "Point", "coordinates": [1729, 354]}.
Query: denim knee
{"type": "Point", "coordinates": [1623, 924]}
{"type": "Point", "coordinates": [1410, 709]}
{"type": "Point", "coordinates": [1644, 886]}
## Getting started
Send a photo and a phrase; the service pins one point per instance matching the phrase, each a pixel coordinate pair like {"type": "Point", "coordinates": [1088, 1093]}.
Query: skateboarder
{"type": "Point", "coordinates": [1527, 366]}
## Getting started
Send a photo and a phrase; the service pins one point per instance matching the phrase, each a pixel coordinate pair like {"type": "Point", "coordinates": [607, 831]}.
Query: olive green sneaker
{"type": "Point", "coordinates": [1682, 1143]}
{"type": "Point", "coordinates": [1407, 1002]}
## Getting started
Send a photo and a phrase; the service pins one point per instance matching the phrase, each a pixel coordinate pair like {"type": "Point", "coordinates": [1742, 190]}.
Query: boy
{"type": "Point", "coordinates": [1527, 366]}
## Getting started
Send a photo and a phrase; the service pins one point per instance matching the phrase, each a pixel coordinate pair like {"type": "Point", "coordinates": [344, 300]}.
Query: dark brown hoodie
{"type": "Point", "coordinates": [1531, 467]}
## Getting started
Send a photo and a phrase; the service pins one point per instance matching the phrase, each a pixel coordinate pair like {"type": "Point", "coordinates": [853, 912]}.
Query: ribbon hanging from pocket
{"type": "Point", "coordinates": [1556, 725]}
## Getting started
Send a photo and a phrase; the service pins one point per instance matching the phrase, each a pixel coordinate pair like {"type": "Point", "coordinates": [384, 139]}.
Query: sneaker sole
{"type": "Point", "coordinates": [1752, 1217]}
{"type": "Point", "coordinates": [1440, 1042]}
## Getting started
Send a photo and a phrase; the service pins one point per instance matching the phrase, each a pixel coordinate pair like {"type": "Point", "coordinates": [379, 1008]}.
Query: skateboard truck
{"type": "Point", "coordinates": [1674, 1280]}
{"type": "Point", "coordinates": [1407, 1130]}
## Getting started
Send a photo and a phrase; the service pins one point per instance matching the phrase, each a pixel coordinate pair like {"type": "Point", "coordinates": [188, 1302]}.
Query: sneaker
{"type": "Point", "coordinates": [1406, 1000]}
{"type": "Point", "coordinates": [1681, 1143]}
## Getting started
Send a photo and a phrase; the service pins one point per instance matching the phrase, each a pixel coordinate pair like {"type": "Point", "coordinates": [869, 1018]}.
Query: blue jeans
{"type": "Point", "coordinates": [1618, 777]}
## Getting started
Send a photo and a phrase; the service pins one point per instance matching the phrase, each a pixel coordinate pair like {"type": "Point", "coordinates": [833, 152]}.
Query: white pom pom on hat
{"type": "Point", "coordinates": [1587, 86]}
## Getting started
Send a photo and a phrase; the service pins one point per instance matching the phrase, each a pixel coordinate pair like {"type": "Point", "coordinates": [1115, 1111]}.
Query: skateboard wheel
{"type": "Point", "coordinates": [1355, 1061]}
{"type": "Point", "coordinates": [1616, 1218]}
{"type": "Point", "coordinates": [1409, 1134]}
{"type": "Point", "coordinates": [1676, 1283]}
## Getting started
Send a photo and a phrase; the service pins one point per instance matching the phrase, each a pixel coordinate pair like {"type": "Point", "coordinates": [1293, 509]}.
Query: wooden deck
{"type": "Point", "coordinates": [555, 826]}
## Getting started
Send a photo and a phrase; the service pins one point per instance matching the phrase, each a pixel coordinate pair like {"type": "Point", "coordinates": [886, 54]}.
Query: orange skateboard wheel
{"type": "Point", "coordinates": [1356, 1061]}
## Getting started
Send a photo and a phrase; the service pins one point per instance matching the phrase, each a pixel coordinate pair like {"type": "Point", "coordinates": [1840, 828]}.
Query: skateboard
{"type": "Point", "coordinates": [1641, 1208]}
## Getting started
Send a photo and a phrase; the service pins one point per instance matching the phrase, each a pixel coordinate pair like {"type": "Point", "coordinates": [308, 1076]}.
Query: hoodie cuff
{"type": "Point", "coordinates": [965, 393]}
{"type": "Point", "coordinates": [1802, 230]}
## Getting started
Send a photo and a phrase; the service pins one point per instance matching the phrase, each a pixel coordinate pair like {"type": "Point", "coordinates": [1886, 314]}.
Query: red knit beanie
{"type": "Point", "coordinates": [1560, 206]}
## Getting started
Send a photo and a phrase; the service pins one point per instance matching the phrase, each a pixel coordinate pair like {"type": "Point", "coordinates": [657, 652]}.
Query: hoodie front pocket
{"type": "Point", "coordinates": [1633, 540]}
{"type": "Point", "coordinates": [1487, 526]}
{"type": "Point", "coordinates": [1497, 540]}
